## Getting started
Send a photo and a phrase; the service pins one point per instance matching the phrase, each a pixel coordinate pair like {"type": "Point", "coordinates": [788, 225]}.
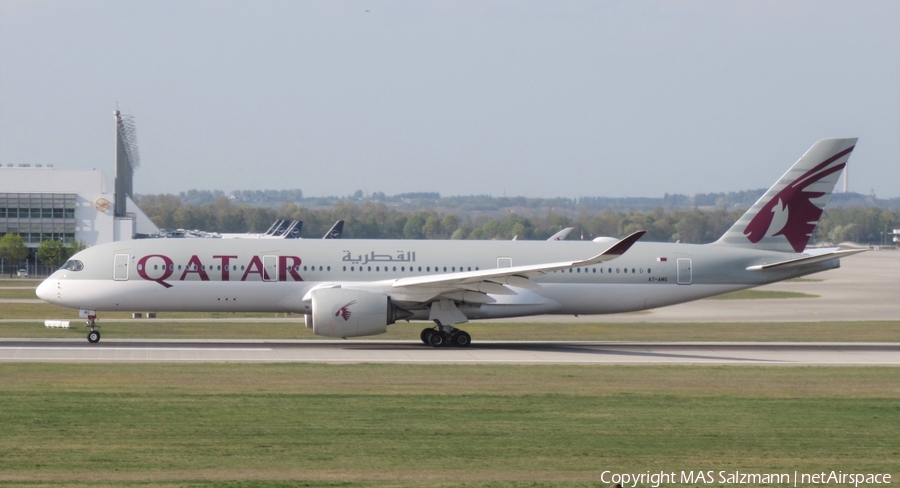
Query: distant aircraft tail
{"type": "Point", "coordinates": [335, 231]}
{"type": "Point", "coordinates": [786, 216]}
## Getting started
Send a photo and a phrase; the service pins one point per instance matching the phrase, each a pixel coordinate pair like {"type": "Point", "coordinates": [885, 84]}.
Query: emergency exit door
{"type": "Point", "coordinates": [684, 271]}
{"type": "Point", "coordinates": [120, 267]}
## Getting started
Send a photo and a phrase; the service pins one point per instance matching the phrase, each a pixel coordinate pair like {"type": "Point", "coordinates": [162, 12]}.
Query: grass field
{"type": "Point", "coordinates": [874, 331]}
{"type": "Point", "coordinates": [17, 293]}
{"type": "Point", "coordinates": [268, 425]}
{"type": "Point", "coordinates": [6, 281]}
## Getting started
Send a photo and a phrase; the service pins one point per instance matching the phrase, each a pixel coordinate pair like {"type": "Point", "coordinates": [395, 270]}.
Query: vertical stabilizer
{"type": "Point", "coordinates": [786, 216]}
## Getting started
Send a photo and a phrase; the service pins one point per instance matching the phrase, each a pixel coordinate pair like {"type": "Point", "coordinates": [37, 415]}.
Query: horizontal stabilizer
{"type": "Point", "coordinates": [818, 258]}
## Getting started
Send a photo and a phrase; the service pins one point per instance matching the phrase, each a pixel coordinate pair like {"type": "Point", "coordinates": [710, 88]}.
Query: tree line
{"type": "Point", "coordinates": [377, 220]}
{"type": "Point", "coordinates": [51, 253]}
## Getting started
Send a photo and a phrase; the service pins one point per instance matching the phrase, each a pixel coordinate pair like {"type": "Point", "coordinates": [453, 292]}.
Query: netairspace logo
{"type": "Point", "coordinates": [656, 479]}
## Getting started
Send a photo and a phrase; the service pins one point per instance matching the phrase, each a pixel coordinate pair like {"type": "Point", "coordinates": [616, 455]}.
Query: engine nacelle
{"type": "Point", "coordinates": [345, 312]}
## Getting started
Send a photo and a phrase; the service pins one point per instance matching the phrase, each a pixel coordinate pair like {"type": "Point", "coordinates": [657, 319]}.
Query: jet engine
{"type": "Point", "coordinates": [345, 312]}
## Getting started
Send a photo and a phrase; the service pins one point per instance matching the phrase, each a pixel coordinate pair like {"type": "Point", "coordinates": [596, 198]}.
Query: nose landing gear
{"type": "Point", "coordinates": [94, 335]}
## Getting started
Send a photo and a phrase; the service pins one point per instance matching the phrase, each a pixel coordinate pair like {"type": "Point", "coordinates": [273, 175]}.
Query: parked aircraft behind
{"type": "Point", "coordinates": [349, 288]}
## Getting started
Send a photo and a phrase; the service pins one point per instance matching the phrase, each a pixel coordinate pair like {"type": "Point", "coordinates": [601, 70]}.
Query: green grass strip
{"type": "Point", "coordinates": [379, 425]}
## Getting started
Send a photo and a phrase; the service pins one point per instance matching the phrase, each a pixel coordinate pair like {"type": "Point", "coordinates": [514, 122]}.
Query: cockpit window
{"type": "Point", "coordinates": [73, 265]}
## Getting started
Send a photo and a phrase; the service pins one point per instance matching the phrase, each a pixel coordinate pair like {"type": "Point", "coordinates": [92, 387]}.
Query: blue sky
{"type": "Point", "coordinates": [540, 99]}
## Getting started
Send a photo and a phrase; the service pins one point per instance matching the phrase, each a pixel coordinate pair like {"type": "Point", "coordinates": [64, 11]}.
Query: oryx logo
{"type": "Point", "coordinates": [791, 213]}
{"type": "Point", "coordinates": [344, 311]}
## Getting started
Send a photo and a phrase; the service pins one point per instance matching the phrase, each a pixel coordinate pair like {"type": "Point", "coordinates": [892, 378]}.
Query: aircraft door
{"type": "Point", "coordinates": [120, 267]}
{"type": "Point", "coordinates": [684, 271]}
{"type": "Point", "coordinates": [270, 265]}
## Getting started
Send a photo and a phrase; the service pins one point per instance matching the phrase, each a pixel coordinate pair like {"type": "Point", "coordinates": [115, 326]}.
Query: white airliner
{"type": "Point", "coordinates": [351, 288]}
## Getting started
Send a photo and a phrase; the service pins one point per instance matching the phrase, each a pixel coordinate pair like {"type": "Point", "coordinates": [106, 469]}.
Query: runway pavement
{"type": "Point", "coordinates": [785, 354]}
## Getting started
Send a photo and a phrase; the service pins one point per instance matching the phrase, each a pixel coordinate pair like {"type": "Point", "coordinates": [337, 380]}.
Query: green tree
{"type": "Point", "coordinates": [432, 228]}
{"type": "Point", "coordinates": [74, 248]}
{"type": "Point", "coordinates": [52, 253]}
{"type": "Point", "coordinates": [413, 227]}
{"type": "Point", "coordinates": [12, 250]}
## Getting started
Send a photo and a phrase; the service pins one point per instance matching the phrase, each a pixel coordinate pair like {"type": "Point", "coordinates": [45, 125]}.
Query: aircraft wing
{"type": "Point", "coordinates": [815, 258]}
{"type": "Point", "coordinates": [492, 280]}
{"type": "Point", "coordinates": [474, 286]}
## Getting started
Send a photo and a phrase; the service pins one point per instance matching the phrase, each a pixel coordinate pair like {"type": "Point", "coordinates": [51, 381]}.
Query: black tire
{"type": "Point", "coordinates": [94, 336]}
{"type": "Point", "coordinates": [462, 339]}
{"type": "Point", "coordinates": [424, 335]}
{"type": "Point", "coordinates": [437, 339]}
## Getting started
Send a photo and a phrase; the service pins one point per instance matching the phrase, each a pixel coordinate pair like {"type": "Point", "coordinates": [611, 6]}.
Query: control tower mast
{"type": "Point", "coordinates": [127, 160]}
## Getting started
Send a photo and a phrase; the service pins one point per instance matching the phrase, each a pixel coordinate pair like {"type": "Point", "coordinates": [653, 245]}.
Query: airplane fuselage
{"type": "Point", "coordinates": [276, 275]}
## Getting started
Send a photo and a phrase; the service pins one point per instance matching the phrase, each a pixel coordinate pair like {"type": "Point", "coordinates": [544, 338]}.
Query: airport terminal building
{"type": "Point", "coordinates": [42, 203]}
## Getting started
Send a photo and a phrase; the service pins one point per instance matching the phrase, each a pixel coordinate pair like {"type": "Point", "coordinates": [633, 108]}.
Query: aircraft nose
{"type": "Point", "coordinates": [46, 290]}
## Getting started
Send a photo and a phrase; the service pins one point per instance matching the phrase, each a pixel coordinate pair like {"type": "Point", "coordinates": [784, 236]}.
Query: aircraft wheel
{"type": "Point", "coordinates": [94, 336]}
{"type": "Point", "coordinates": [424, 335]}
{"type": "Point", "coordinates": [463, 339]}
{"type": "Point", "coordinates": [437, 339]}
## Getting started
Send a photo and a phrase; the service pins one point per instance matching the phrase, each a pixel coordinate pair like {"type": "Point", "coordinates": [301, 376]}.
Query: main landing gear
{"type": "Point", "coordinates": [445, 336]}
{"type": "Point", "coordinates": [94, 335]}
